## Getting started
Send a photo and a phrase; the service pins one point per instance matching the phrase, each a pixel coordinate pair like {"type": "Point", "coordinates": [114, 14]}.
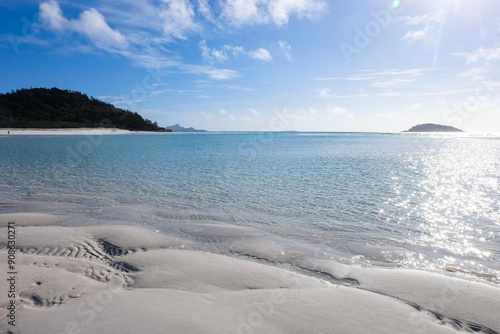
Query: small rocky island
{"type": "Point", "coordinates": [178, 128]}
{"type": "Point", "coordinates": [429, 127]}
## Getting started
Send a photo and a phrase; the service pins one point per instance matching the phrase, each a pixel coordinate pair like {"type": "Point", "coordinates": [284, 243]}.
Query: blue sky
{"type": "Point", "coordinates": [306, 65]}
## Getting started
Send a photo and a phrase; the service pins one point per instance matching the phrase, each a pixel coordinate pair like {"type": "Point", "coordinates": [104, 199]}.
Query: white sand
{"type": "Point", "coordinates": [66, 132]}
{"type": "Point", "coordinates": [123, 279]}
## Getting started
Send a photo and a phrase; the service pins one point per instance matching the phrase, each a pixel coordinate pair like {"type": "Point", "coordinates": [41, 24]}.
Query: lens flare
{"type": "Point", "coordinates": [396, 3]}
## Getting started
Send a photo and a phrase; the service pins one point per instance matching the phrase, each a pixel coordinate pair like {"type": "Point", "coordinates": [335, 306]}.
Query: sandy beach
{"type": "Point", "coordinates": [128, 279]}
{"type": "Point", "coordinates": [65, 132]}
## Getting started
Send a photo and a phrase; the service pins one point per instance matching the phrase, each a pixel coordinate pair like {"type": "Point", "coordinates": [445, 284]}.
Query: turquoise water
{"type": "Point", "coordinates": [402, 200]}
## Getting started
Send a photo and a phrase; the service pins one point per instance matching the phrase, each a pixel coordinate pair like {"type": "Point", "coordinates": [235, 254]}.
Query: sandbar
{"type": "Point", "coordinates": [129, 279]}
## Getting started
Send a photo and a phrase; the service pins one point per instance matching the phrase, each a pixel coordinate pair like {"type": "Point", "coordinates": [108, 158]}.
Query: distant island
{"type": "Point", "coordinates": [45, 108]}
{"type": "Point", "coordinates": [178, 128]}
{"type": "Point", "coordinates": [429, 127]}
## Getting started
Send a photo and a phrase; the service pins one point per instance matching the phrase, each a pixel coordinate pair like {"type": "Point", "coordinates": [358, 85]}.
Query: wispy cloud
{"type": "Point", "coordinates": [205, 10]}
{"type": "Point", "coordinates": [286, 50]}
{"type": "Point", "coordinates": [393, 78]}
{"type": "Point", "coordinates": [236, 87]}
{"type": "Point", "coordinates": [176, 17]}
{"type": "Point", "coordinates": [261, 54]}
{"type": "Point", "coordinates": [326, 79]}
{"type": "Point", "coordinates": [144, 31]}
{"type": "Point", "coordinates": [475, 72]}
{"type": "Point", "coordinates": [411, 83]}
{"type": "Point", "coordinates": [481, 54]}
{"type": "Point", "coordinates": [392, 83]}
{"type": "Point", "coordinates": [323, 93]}
{"type": "Point", "coordinates": [220, 55]}
{"type": "Point", "coordinates": [425, 19]}
{"type": "Point", "coordinates": [428, 26]}
{"type": "Point", "coordinates": [413, 35]}
{"type": "Point", "coordinates": [441, 92]}
{"type": "Point", "coordinates": [214, 73]}
{"type": "Point", "coordinates": [326, 93]}
{"type": "Point", "coordinates": [366, 95]}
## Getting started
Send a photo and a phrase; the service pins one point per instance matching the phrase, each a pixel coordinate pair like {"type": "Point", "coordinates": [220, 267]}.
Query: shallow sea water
{"type": "Point", "coordinates": [396, 200]}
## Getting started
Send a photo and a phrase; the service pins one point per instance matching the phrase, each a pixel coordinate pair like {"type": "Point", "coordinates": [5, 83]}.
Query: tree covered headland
{"type": "Point", "coordinates": [56, 108]}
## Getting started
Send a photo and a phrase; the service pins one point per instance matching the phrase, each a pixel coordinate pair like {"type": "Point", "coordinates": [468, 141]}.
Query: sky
{"type": "Point", "coordinates": [265, 65]}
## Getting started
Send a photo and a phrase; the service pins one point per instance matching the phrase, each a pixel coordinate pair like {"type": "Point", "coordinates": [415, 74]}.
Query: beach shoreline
{"type": "Point", "coordinates": [67, 132]}
{"type": "Point", "coordinates": [123, 279]}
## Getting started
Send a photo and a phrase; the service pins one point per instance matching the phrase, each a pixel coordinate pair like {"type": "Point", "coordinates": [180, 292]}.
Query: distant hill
{"type": "Point", "coordinates": [178, 128]}
{"type": "Point", "coordinates": [429, 127]}
{"type": "Point", "coordinates": [56, 108]}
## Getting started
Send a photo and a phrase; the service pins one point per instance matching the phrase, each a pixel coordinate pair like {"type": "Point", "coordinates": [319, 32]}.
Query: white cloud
{"type": "Point", "coordinates": [178, 18]}
{"type": "Point", "coordinates": [51, 14]}
{"type": "Point", "coordinates": [241, 12]}
{"type": "Point", "coordinates": [222, 111]}
{"type": "Point", "coordinates": [280, 10]}
{"type": "Point", "coordinates": [261, 54]}
{"type": "Point", "coordinates": [481, 54]}
{"type": "Point", "coordinates": [205, 11]}
{"type": "Point", "coordinates": [212, 54]}
{"type": "Point", "coordinates": [236, 87]}
{"type": "Point", "coordinates": [366, 95]}
{"type": "Point", "coordinates": [161, 91]}
{"type": "Point", "coordinates": [219, 74]}
{"type": "Point", "coordinates": [413, 35]}
{"type": "Point", "coordinates": [422, 19]}
{"type": "Point", "coordinates": [221, 55]}
{"type": "Point", "coordinates": [326, 79]}
{"type": "Point", "coordinates": [429, 26]}
{"type": "Point", "coordinates": [392, 83]}
{"type": "Point", "coordinates": [91, 24]}
{"type": "Point", "coordinates": [369, 75]}
{"type": "Point", "coordinates": [392, 78]}
{"type": "Point", "coordinates": [205, 51]}
{"type": "Point", "coordinates": [141, 30]}
{"type": "Point", "coordinates": [475, 72]}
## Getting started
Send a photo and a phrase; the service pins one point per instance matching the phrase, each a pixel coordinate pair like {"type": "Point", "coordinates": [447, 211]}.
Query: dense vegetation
{"type": "Point", "coordinates": [56, 108]}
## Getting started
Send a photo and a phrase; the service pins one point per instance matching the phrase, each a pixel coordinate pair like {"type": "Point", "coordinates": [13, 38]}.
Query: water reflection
{"type": "Point", "coordinates": [452, 203]}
